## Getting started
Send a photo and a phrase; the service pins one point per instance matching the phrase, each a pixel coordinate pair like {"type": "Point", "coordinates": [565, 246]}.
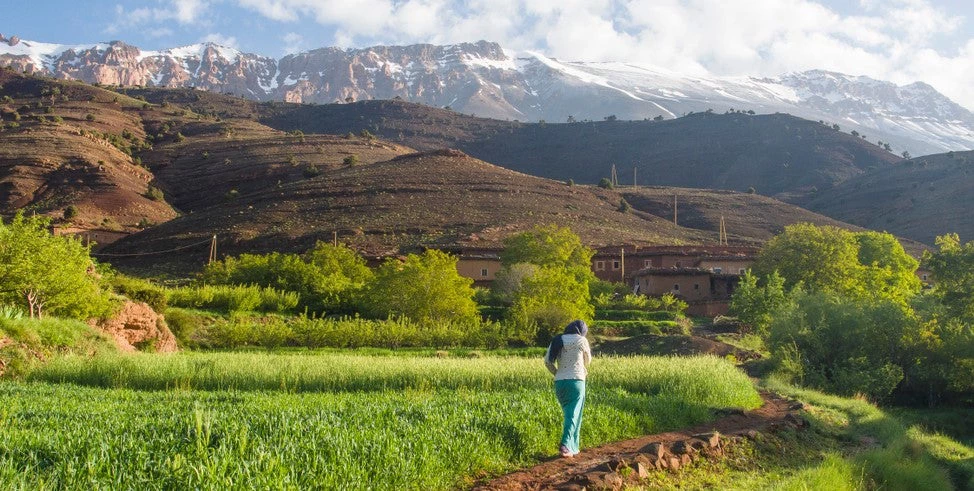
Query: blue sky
{"type": "Point", "coordinates": [898, 40]}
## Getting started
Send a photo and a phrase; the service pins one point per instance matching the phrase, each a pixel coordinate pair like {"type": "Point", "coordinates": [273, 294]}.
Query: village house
{"type": "Point", "coordinates": [703, 276]}
{"type": "Point", "coordinates": [97, 238]}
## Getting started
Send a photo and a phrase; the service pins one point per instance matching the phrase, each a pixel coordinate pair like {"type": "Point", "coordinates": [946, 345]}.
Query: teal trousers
{"type": "Point", "coordinates": [571, 396]}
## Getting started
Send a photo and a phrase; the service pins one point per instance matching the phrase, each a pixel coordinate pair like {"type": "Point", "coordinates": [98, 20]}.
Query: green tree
{"type": "Point", "coordinates": [550, 246]}
{"type": "Point", "coordinates": [819, 258]}
{"type": "Point", "coordinates": [343, 275]}
{"type": "Point", "coordinates": [46, 273]}
{"type": "Point", "coordinates": [953, 272]}
{"type": "Point", "coordinates": [508, 281]}
{"type": "Point", "coordinates": [889, 271]}
{"type": "Point", "coordinates": [547, 301]}
{"type": "Point", "coordinates": [756, 305]}
{"type": "Point", "coordinates": [605, 183]}
{"type": "Point", "coordinates": [842, 345]}
{"type": "Point", "coordinates": [423, 287]}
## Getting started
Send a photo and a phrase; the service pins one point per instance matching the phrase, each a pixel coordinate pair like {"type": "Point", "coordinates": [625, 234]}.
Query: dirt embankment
{"type": "Point", "coordinates": [136, 327]}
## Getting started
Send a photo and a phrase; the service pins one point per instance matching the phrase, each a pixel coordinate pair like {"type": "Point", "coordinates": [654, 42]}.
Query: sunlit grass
{"type": "Point", "coordinates": [333, 421]}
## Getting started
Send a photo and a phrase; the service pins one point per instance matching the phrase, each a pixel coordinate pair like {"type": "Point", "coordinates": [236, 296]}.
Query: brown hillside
{"type": "Point", "coordinates": [212, 167]}
{"type": "Point", "coordinates": [437, 198]}
{"type": "Point", "coordinates": [919, 198]}
{"type": "Point", "coordinates": [747, 217]}
{"type": "Point", "coordinates": [777, 154]}
{"type": "Point", "coordinates": [61, 144]}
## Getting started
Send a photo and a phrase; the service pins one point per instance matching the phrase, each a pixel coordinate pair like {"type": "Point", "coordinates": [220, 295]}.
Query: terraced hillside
{"type": "Point", "coordinates": [433, 198]}
{"type": "Point", "coordinates": [69, 144]}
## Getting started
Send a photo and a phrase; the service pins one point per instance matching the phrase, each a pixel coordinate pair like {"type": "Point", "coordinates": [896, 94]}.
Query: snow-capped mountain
{"type": "Point", "coordinates": [484, 79]}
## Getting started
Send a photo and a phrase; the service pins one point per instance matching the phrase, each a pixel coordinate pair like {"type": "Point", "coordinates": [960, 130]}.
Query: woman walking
{"type": "Point", "coordinates": [567, 358]}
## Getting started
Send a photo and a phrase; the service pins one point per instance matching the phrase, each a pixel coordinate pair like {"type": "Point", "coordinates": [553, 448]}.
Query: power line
{"type": "Point", "coordinates": [207, 241]}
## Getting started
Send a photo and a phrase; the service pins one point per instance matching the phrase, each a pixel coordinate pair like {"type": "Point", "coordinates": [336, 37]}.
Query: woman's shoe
{"type": "Point", "coordinates": [565, 452]}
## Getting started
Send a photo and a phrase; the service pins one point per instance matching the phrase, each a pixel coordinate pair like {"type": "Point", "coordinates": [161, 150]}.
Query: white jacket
{"type": "Point", "coordinates": [573, 360]}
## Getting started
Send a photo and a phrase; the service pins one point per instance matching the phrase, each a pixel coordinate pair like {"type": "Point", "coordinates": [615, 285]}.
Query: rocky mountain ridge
{"type": "Point", "coordinates": [485, 79]}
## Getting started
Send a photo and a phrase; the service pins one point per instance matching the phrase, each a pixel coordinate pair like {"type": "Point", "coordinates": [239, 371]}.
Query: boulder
{"type": "Point", "coordinates": [137, 327]}
{"type": "Point", "coordinates": [655, 449]}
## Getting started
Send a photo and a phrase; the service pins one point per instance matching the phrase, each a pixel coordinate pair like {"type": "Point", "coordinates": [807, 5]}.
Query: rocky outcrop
{"type": "Point", "coordinates": [136, 327]}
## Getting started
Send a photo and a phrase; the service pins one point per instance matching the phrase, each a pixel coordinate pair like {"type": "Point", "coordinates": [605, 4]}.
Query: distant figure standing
{"type": "Point", "coordinates": [571, 353]}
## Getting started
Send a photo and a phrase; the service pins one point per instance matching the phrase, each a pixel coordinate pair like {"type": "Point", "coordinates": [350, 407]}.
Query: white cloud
{"type": "Point", "coordinates": [217, 38]}
{"type": "Point", "coordinates": [181, 11]}
{"type": "Point", "coordinates": [293, 43]}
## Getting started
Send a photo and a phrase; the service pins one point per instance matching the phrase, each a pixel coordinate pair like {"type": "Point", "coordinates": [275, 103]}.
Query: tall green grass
{"type": "Point", "coordinates": [327, 421]}
{"type": "Point", "coordinates": [34, 340]}
{"type": "Point", "coordinates": [233, 298]}
{"type": "Point", "coordinates": [904, 458]}
{"type": "Point", "coordinates": [196, 329]}
{"type": "Point", "coordinates": [705, 381]}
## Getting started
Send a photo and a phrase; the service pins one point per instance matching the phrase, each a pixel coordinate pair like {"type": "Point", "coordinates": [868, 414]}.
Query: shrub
{"type": "Point", "coordinates": [423, 287]}
{"type": "Point", "coordinates": [89, 117]}
{"type": "Point", "coordinates": [605, 183]}
{"type": "Point", "coordinates": [154, 193]}
{"type": "Point", "coordinates": [234, 298]}
{"type": "Point", "coordinates": [350, 161]}
{"type": "Point", "coordinates": [311, 170]}
{"type": "Point", "coordinates": [70, 212]}
{"type": "Point", "coordinates": [636, 315]}
{"type": "Point", "coordinates": [141, 290]}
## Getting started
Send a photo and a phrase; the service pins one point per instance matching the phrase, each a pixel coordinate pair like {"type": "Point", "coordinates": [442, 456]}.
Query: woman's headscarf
{"type": "Point", "coordinates": [578, 327]}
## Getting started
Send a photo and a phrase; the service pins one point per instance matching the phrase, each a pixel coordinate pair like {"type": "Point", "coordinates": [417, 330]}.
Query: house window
{"type": "Point", "coordinates": [483, 272]}
{"type": "Point", "coordinates": [742, 270]}
{"type": "Point", "coordinates": [679, 265]}
{"type": "Point", "coordinates": [924, 277]}
{"type": "Point", "coordinates": [676, 287]}
{"type": "Point", "coordinates": [615, 265]}
{"type": "Point", "coordinates": [599, 265]}
{"type": "Point", "coordinates": [647, 263]}
{"type": "Point", "coordinates": [696, 286]}
{"type": "Point", "coordinates": [717, 270]}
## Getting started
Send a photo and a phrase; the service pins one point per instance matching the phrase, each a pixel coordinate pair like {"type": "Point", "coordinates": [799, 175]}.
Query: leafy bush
{"type": "Point", "coordinates": [423, 287]}
{"type": "Point", "coordinates": [154, 193]}
{"type": "Point", "coordinates": [345, 332]}
{"type": "Point", "coordinates": [625, 315]}
{"type": "Point", "coordinates": [636, 328]}
{"type": "Point", "coordinates": [234, 298]}
{"type": "Point", "coordinates": [825, 335]}
{"type": "Point", "coordinates": [327, 278]}
{"type": "Point", "coordinates": [141, 290]}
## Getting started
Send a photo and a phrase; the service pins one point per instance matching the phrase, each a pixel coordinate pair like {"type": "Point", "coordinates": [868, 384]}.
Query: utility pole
{"type": "Point", "coordinates": [674, 210]}
{"type": "Point", "coordinates": [722, 233]}
{"type": "Point", "coordinates": [634, 185]}
{"type": "Point", "coordinates": [212, 250]}
{"type": "Point", "coordinates": [335, 238]}
{"type": "Point", "coordinates": [622, 263]}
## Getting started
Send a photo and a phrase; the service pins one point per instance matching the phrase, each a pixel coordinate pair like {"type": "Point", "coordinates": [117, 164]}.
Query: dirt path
{"type": "Point", "coordinates": [591, 466]}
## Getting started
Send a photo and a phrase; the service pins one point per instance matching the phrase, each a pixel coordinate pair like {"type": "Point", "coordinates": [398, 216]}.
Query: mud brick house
{"type": "Point", "coordinates": [98, 238]}
{"type": "Point", "coordinates": [479, 264]}
{"type": "Point", "coordinates": [703, 276]}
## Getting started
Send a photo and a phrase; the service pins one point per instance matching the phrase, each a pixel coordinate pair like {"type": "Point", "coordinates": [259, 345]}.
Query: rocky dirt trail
{"type": "Point", "coordinates": [618, 464]}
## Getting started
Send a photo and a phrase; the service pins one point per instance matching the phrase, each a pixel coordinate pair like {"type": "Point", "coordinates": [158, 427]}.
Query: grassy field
{"type": "Point", "coordinates": [326, 420]}
{"type": "Point", "coordinates": [851, 444]}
